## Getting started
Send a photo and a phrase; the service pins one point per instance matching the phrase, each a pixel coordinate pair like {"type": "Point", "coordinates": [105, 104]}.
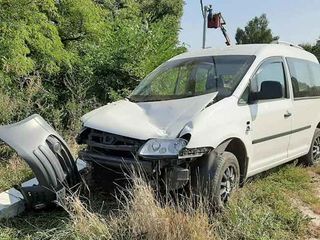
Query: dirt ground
{"type": "Point", "coordinates": [311, 212]}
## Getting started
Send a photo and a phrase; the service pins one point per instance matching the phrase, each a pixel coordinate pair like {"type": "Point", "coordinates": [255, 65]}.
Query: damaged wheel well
{"type": "Point", "coordinates": [237, 147]}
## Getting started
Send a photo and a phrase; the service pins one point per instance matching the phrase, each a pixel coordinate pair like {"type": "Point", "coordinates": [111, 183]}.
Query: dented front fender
{"type": "Point", "coordinates": [46, 153]}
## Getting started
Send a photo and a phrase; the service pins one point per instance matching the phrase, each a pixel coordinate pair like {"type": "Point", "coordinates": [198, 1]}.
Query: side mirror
{"type": "Point", "coordinates": [269, 90]}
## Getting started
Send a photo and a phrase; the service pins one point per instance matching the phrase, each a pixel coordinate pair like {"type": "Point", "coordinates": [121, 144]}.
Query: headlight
{"type": "Point", "coordinates": [163, 147]}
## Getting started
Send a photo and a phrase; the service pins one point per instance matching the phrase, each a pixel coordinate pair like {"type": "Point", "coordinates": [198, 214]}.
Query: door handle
{"type": "Point", "coordinates": [287, 114]}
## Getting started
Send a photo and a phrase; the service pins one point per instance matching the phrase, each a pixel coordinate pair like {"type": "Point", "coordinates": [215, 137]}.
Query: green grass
{"type": "Point", "coordinates": [263, 209]}
{"type": "Point", "coordinates": [55, 225]}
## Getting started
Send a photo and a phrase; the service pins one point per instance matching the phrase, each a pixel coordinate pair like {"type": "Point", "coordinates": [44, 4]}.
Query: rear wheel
{"type": "Point", "coordinates": [216, 176]}
{"type": "Point", "coordinates": [313, 156]}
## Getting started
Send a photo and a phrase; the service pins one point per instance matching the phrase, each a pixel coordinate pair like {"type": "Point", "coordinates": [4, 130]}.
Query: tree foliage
{"type": "Point", "coordinates": [60, 58]}
{"type": "Point", "coordinates": [256, 31]}
{"type": "Point", "coordinates": [313, 48]}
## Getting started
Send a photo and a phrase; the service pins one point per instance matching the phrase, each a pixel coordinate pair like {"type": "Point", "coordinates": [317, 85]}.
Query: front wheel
{"type": "Point", "coordinates": [217, 177]}
{"type": "Point", "coordinates": [313, 155]}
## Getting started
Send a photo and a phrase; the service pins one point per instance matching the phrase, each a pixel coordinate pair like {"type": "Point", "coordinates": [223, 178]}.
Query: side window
{"type": "Point", "coordinates": [305, 77]}
{"type": "Point", "coordinates": [269, 79]}
{"type": "Point", "coordinates": [315, 70]}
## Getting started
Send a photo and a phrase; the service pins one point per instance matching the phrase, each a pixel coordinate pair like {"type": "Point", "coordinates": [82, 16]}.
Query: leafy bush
{"type": "Point", "coordinates": [63, 58]}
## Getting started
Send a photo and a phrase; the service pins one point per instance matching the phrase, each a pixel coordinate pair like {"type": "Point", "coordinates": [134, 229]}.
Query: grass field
{"type": "Point", "coordinates": [13, 172]}
{"type": "Point", "coordinates": [265, 208]}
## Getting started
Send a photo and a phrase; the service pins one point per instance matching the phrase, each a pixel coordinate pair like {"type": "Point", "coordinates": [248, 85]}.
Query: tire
{"type": "Point", "coordinates": [219, 177]}
{"type": "Point", "coordinates": [313, 155]}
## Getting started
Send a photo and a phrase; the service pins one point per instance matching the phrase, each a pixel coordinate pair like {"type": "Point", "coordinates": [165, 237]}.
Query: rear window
{"type": "Point", "coordinates": [305, 77]}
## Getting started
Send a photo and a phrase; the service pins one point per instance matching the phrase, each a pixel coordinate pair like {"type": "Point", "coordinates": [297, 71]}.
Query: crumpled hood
{"type": "Point", "coordinates": [145, 120]}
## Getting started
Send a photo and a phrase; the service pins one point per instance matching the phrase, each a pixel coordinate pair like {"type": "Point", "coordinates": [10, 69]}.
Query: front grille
{"type": "Point", "coordinates": [103, 143]}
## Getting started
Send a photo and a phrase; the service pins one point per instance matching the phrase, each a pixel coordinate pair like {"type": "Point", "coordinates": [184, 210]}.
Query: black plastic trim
{"type": "Point", "coordinates": [280, 135]}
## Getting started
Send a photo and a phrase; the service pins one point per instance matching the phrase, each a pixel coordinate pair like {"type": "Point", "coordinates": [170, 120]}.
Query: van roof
{"type": "Point", "coordinates": [259, 50]}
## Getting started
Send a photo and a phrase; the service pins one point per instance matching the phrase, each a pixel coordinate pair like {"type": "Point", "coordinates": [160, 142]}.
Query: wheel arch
{"type": "Point", "coordinates": [237, 147]}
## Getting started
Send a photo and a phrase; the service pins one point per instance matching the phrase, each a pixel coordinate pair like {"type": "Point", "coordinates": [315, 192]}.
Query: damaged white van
{"type": "Point", "coordinates": [214, 116]}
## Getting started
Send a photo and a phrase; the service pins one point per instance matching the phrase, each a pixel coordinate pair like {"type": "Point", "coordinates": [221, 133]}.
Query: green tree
{"type": "Point", "coordinates": [256, 31]}
{"type": "Point", "coordinates": [61, 58]}
{"type": "Point", "coordinates": [29, 41]}
{"type": "Point", "coordinates": [144, 35]}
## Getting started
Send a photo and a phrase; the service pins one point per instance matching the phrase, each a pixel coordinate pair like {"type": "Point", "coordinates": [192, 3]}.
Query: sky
{"type": "Point", "coordinates": [295, 21]}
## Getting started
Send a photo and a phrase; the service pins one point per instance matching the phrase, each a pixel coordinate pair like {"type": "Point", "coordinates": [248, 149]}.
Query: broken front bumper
{"type": "Point", "coordinates": [117, 162]}
{"type": "Point", "coordinates": [47, 155]}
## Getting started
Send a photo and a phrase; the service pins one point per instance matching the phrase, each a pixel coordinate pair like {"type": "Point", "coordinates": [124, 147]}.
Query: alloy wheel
{"type": "Point", "coordinates": [228, 183]}
{"type": "Point", "coordinates": [316, 149]}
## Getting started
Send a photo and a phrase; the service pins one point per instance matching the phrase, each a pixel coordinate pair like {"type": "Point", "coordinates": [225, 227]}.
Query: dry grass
{"type": "Point", "coordinates": [85, 223]}
{"type": "Point", "coordinates": [13, 172]}
{"type": "Point", "coordinates": [153, 219]}
{"type": "Point", "coordinates": [316, 169]}
{"type": "Point", "coordinates": [140, 216]}
{"type": "Point", "coordinates": [261, 210]}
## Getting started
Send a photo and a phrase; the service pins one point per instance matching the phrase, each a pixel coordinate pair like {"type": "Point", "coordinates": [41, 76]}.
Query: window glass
{"type": "Point", "coordinates": [201, 77]}
{"type": "Point", "coordinates": [315, 71]}
{"type": "Point", "coordinates": [305, 77]}
{"type": "Point", "coordinates": [245, 96]}
{"type": "Point", "coordinates": [192, 77]}
{"type": "Point", "coordinates": [269, 72]}
{"type": "Point", "coordinates": [181, 84]}
{"type": "Point", "coordinates": [165, 83]}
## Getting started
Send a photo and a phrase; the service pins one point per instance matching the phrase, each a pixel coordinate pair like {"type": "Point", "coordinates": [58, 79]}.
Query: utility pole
{"type": "Point", "coordinates": [204, 10]}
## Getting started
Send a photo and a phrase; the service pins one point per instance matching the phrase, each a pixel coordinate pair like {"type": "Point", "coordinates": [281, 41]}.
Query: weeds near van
{"type": "Point", "coordinates": [263, 209]}
{"type": "Point", "coordinates": [13, 172]}
{"type": "Point", "coordinates": [317, 169]}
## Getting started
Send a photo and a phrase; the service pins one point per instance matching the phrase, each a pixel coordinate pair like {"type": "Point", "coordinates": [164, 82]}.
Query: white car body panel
{"type": "Point", "coordinates": [306, 113]}
{"type": "Point", "coordinates": [268, 120]}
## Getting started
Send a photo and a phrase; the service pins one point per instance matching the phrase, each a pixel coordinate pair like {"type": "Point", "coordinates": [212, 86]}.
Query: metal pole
{"type": "Point", "coordinates": [204, 12]}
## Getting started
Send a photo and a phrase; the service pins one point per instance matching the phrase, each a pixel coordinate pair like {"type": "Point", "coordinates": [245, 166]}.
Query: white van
{"type": "Point", "coordinates": [214, 116]}
{"type": "Point", "coordinates": [228, 114]}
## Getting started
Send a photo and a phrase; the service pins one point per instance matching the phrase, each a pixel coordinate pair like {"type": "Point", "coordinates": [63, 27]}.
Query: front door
{"type": "Point", "coordinates": [271, 117]}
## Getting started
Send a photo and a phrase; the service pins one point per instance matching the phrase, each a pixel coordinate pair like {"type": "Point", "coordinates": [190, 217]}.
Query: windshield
{"type": "Point", "coordinates": [192, 77]}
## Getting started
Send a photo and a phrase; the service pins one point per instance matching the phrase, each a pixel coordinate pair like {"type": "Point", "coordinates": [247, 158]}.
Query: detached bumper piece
{"type": "Point", "coordinates": [48, 156]}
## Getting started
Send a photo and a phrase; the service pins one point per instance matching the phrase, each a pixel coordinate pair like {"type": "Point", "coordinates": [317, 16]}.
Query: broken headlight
{"type": "Point", "coordinates": [163, 147]}
{"type": "Point", "coordinates": [194, 152]}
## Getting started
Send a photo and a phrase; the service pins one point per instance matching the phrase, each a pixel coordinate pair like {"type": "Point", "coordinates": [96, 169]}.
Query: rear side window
{"type": "Point", "coordinates": [305, 77]}
{"type": "Point", "coordinates": [315, 72]}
